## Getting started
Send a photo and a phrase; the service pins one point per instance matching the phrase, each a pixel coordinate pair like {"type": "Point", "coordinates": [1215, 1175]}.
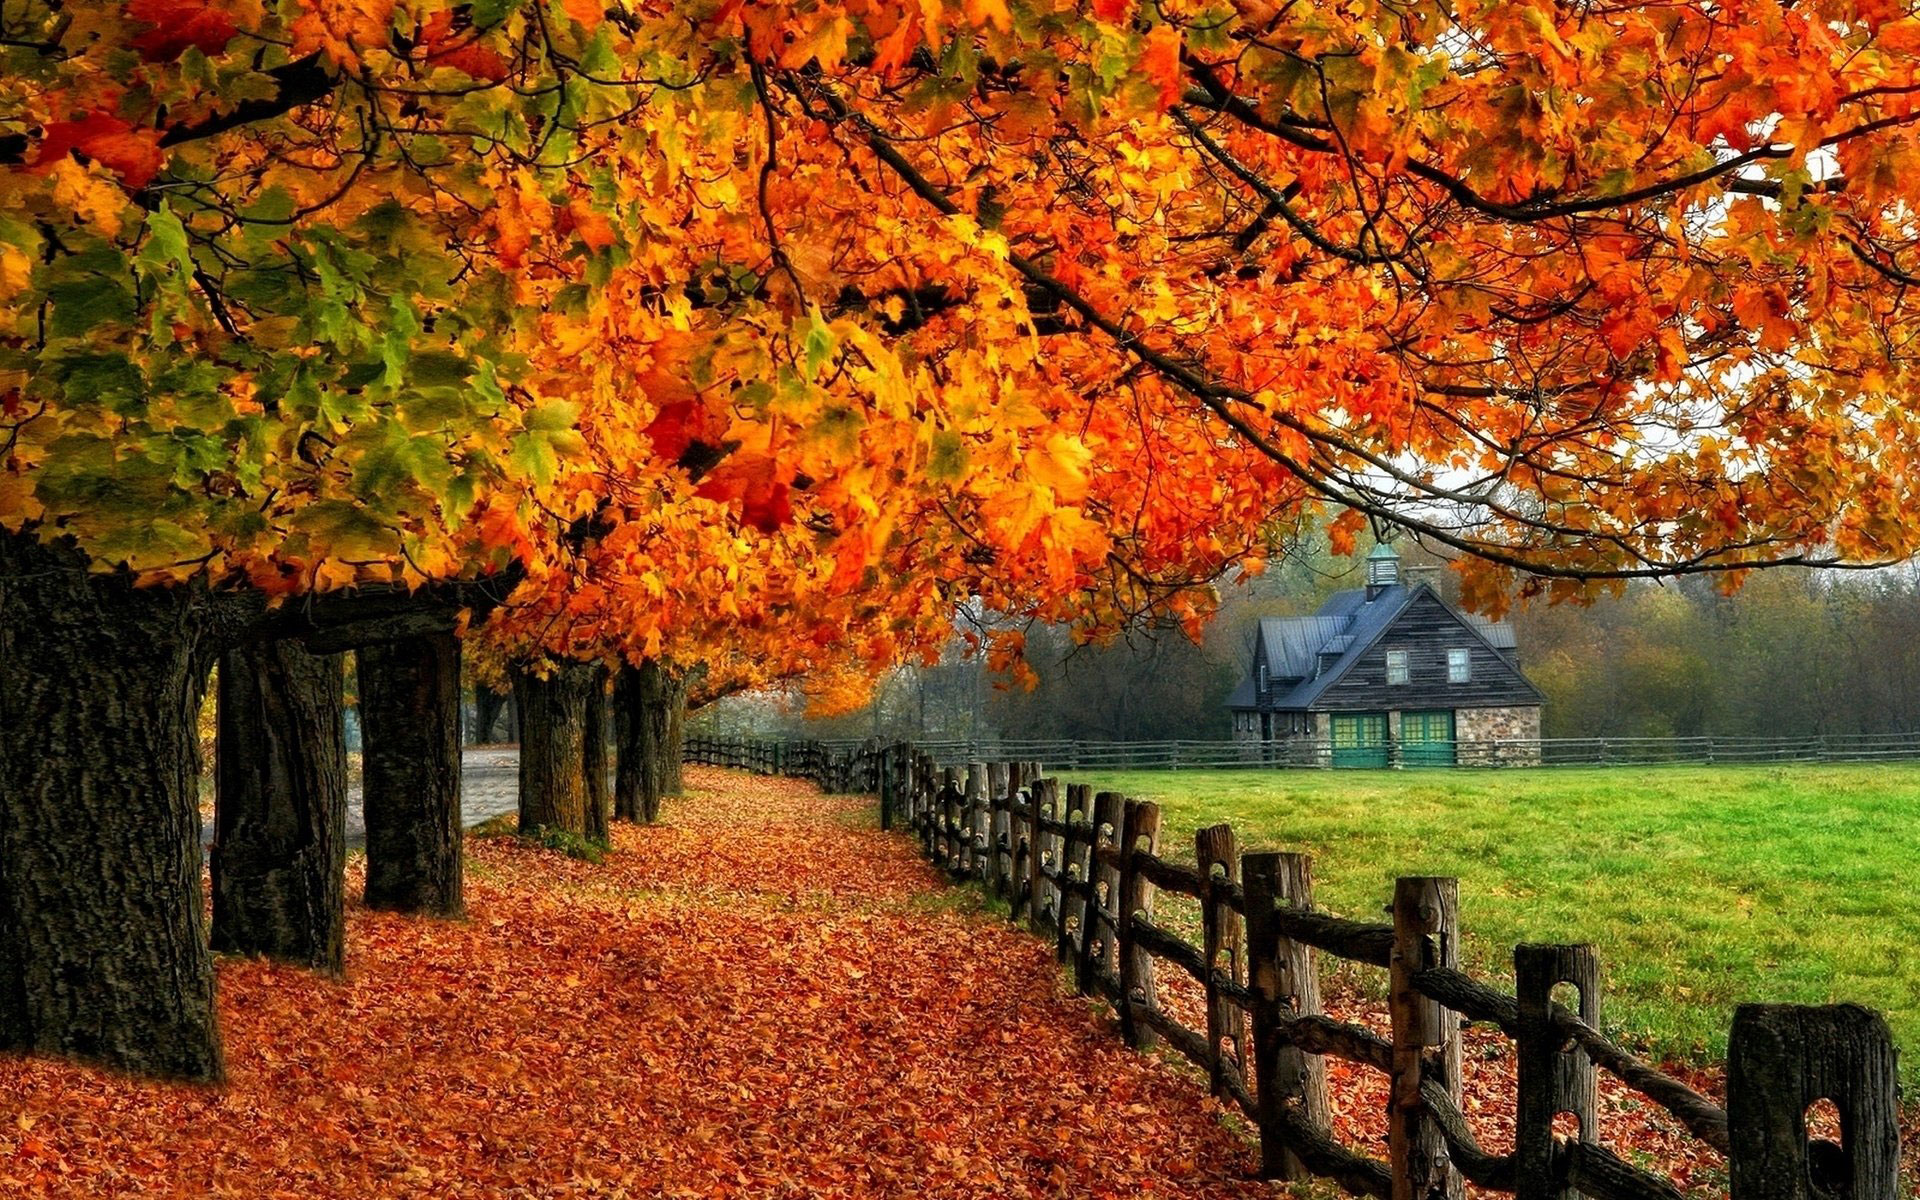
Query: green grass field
{"type": "Point", "coordinates": [1701, 887]}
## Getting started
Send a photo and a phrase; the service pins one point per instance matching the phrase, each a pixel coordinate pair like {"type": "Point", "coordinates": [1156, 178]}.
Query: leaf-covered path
{"type": "Point", "coordinates": [763, 997]}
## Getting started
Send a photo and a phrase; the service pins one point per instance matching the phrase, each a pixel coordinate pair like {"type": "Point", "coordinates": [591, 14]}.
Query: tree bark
{"type": "Point", "coordinates": [650, 704]}
{"type": "Point", "coordinates": [672, 781]}
{"type": "Point", "coordinates": [410, 715]}
{"type": "Point", "coordinates": [593, 759]}
{"type": "Point", "coordinates": [488, 706]}
{"type": "Point", "coordinates": [553, 714]}
{"type": "Point", "coordinates": [103, 950]}
{"type": "Point", "coordinates": [280, 806]}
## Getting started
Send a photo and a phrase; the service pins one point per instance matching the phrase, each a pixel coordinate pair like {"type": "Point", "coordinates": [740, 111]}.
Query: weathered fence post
{"type": "Point", "coordinates": [1553, 1078]}
{"type": "Point", "coordinates": [1781, 1059]}
{"type": "Point", "coordinates": [1140, 823]}
{"type": "Point", "coordinates": [883, 777]}
{"type": "Point", "coordinates": [1098, 892]}
{"type": "Point", "coordinates": [976, 792]}
{"type": "Point", "coordinates": [999, 814]}
{"type": "Point", "coordinates": [1042, 795]}
{"type": "Point", "coordinates": [1283, 979]}
{"type": "Point", "coordinates": [950, 801]}
{"type": "Point", "coordinates": [928, 790]}
{"type": "Point", "coordinates": [1217, 856]}
{"type": "Point", "coordinates": [1069, 894]}
{"type": "Point", "coordinates": [1426, 1037]}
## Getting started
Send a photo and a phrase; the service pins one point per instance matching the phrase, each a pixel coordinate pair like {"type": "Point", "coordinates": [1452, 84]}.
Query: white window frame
{"type": "Point", "coordinates": [1460, 665]}
{"type": "Point", "coordinates": [1398, 673]}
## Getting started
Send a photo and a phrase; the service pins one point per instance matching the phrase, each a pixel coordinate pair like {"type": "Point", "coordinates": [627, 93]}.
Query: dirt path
{"type": "Point", "coordinates": [764, 997]}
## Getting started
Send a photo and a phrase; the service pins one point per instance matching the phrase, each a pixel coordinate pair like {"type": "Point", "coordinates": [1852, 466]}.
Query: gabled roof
{"type": "Point", "coordinates": [1345, 628]}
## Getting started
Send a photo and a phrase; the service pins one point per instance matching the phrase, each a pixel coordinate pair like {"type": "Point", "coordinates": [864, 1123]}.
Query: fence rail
{"type": "Point", "coordinates": [1308, 753]}
{"type": "Point", "coordinates": [1083, 871]}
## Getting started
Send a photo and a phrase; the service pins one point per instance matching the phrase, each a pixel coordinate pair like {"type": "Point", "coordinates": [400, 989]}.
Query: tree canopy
{"type": "Point", "coordinates": [818, 317]}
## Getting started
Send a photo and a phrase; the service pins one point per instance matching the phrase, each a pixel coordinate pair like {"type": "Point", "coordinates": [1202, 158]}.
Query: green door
{"type": "Point", "coordinates": [1359, 739]}
{"type": "Point", "coordinates": [1426, 738]}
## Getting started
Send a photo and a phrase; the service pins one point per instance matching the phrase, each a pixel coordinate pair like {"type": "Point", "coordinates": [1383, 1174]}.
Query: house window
{"type": "Point", "coordinates": [1459, 666]}
{"type": "Point", "coordinates": [1396, 666]}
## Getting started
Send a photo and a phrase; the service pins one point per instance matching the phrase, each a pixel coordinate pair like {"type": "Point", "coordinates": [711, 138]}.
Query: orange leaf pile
{"type": "Point", "coordinates": [756, 1000]}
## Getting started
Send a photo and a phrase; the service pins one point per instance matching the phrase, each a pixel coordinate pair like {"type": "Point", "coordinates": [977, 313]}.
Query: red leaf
{"type": "Point", "coordinates": [462, 51]}
{"type": "Point", "coordinates": [751, 480]}
{"type": "Point", "coordinates": [133, 154]}
{"type": "Point", "coordinates": [1161, 64]}
{"type": "Point", "coordinates": [177, 26]}
{"type": "Point", "coordinates": [1114, 12]}
{"type": "Point", "coordinates": [676, 426]}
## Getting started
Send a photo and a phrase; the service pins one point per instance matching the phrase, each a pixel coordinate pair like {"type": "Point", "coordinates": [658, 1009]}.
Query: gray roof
{"type": "Point", "coordinates": [1292, 643]}
{"type": "Point", "coordinates": [1499, 634]}
{"type": "Point", "coordinates": [1344, 628]}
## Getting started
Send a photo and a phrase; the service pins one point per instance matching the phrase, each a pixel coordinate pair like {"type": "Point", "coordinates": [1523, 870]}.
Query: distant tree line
{"type": "Point", "coordinates": [1793, 652]}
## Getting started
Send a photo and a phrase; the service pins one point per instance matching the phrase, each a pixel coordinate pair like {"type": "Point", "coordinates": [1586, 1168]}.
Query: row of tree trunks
{"type": "Point", "coordinates": [280, 806]}
{"type": "Point", "coordinates": [650, 703]}
{"type": "Point", "coordinates": [104, 948]}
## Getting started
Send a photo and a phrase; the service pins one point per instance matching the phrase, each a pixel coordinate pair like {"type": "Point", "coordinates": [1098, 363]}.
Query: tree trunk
{"type": "Point", "coordinates": [410, 716]}
{"type": "Point", "coordinates": [280, 806]}
{"type": "Point", "coordinates": [628, 769]}
{"type": "Point", "coordinates": [103, 950]}
{"type": "Point", "coordinates": [553, 715]}
{"type": "Point", "coordinates": [672, 781]}
{"type": "Point", "coordinates": [648, 701]}
{"type": "Point", "coordinates": [488, 705]}
{"type": "Point", "coordinates": [593, 759]}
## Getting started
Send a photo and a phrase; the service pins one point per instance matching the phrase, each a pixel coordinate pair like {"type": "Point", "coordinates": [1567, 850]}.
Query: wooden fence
{"type": "Point", "coordinates": [1083, 871]}
{"type": "Point", "coordinates": [1306, 753]}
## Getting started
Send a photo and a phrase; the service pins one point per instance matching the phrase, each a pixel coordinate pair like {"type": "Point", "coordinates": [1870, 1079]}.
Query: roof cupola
{"type": "Point", "coordinates": [1383, 570]}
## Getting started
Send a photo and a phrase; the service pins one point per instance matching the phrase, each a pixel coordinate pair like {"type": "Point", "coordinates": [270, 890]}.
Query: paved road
{"type": "Point", "coordinates": [489, 786]}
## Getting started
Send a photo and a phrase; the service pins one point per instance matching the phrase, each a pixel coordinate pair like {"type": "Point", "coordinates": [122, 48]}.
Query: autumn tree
{"type": "Point", "coordinates": [1044, 306]}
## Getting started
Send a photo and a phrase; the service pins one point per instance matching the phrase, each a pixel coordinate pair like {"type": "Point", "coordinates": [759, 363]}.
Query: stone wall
{"type": "Point", "coordinates": [1516, 728]}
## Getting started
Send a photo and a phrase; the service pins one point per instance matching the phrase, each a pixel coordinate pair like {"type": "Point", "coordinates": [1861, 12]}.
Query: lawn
{"type": "Point", "coordinates": [1702, 887]}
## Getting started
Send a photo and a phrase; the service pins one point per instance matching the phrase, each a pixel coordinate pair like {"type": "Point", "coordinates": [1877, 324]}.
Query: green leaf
{"type": "Point", "coordinates": [819, 345]}
{"type": "Point", "coordinates": [551, 417]}
{"type": "Point", "coordinates": [948, 462]}
{"type": "Point", "coordinates": [84, 305]}
{"type": "Point", "coordinates": [488, 13]}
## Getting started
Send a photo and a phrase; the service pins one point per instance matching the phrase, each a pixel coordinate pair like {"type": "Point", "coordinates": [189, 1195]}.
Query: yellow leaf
{"type": "Point", "coordinates": [1061, 464]}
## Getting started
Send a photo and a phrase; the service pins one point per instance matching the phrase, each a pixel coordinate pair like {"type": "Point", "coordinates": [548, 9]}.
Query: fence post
{"type": "Point", "coordinates": [1020, 849]}
{"type": "Point", "coordinates": [1139, 824]}
{"type": "Point", "coordinates": [884, 778]}
{"type": "Point", "coordinates": [1284, 984]}
{"type": "Point", "coordinates": [1042, 795]}
{"type": "Point", "coordinates": [1217, 856]}
{"type": "Point", "coordinates": [999, 810]}
{"type": "Point", "coordinates": [1425, 934]}
{"type": "Point", "coordinates": [1097, 894]}
{"type": "Point", "coordinates": [950, 801]}
{"type": "Point", "coordinates": [1553, 1078]}
{"type": "Point", "coordinates": [1069, 896]}
{"type": "Point", "coordinates": [1782, 1058]}
{"type": "Point", "coordinates": [976, 789]}
{"type": "Point", "coordinates": [924, 785]}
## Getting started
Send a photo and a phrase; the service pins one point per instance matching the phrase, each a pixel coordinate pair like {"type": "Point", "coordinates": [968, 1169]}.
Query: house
{"type": "Point", "coordinates": [1389, 674]}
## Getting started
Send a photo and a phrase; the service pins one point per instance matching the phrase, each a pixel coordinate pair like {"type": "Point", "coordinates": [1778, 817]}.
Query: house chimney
{"type": "Point", "coordinates": [1383, 570]}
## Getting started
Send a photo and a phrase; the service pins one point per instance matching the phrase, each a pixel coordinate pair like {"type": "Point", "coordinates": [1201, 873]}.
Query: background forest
{"type": "Point", "coordinates": [1793, 652]}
